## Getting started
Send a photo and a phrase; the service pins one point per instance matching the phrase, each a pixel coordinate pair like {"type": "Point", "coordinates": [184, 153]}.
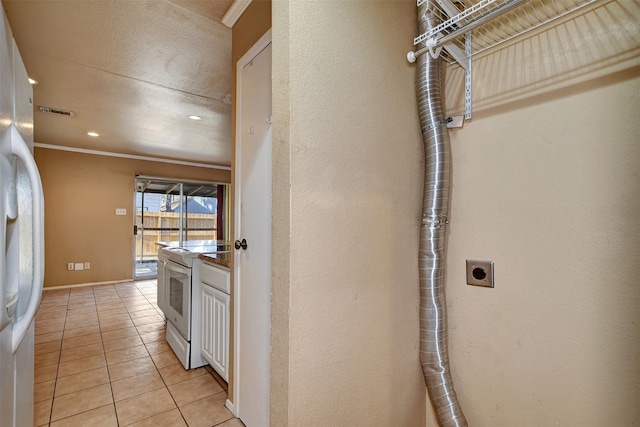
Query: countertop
{"type": "Point", "coordinates": [199, 246]}
{"type": "Point", "coordinates": [219, 258]}
{"type": "Point", "coordinates": [213, 251]}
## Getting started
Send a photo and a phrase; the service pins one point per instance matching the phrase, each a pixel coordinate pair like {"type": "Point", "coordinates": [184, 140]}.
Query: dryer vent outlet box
{"type": "Point", "coordinates": [480, 273]}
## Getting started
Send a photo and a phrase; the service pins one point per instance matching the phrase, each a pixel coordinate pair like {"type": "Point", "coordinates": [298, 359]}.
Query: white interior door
{"type": "Point", "coordinates": [252, 301]}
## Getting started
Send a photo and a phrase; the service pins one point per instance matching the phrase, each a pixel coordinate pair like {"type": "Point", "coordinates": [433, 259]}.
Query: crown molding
{"type": "Point", "coordinates": [129, 156]}
{"type": "Point", "coordinates": [235, 12]}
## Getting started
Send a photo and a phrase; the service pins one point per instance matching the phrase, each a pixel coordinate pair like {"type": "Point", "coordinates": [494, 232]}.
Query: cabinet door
{"type": "Point", "coordinates": [206, 314]}
{"type": "Point", "coordinates": [215, 329]}
{"type": "Point", "coordinates": [162, 286]}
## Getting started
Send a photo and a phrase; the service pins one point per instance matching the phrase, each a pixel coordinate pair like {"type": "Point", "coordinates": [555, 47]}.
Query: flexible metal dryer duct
{"type": "Point", "coordinates": [433, 323]}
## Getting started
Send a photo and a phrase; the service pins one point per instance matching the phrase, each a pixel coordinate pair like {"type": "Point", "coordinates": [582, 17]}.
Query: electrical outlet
{"type": "Point", "coordinates": [79, 266]}
{"type": "Point", "coordinates": [480, 273]}
{"type": "Point", "coordinates": [70, 266]}
{"type": "Point", "coordinates": [87, 265]}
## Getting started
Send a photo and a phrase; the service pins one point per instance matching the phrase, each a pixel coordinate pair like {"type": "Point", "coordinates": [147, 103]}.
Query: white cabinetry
{"type": "Point", "coordinates": [215, 317]}
{"type": "Point", "coordinates": [215, 329]}
{"type": "Point", "coordinates": [162, 286]}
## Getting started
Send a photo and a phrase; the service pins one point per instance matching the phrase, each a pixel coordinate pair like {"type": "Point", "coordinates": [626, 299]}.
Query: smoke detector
{"type": "Point", "coordinates": [56, 111]}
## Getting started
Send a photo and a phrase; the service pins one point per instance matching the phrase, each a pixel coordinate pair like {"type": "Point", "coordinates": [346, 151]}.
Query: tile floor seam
{"type": "Point", "coordinates": [146, 349]}
{"type": "Point", "coordinates": [55, 384]}
{"type": "Point", "coordinates": [166, 386]}
{"type": "Point", "coordinates": [79, 413]}
{"type": "Point", "coordinates": [113, 400]}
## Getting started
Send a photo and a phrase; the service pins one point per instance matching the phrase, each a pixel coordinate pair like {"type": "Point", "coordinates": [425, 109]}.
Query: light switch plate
{"type": "Point", "coordinates": [121, 211]}
{"type": "Point", "coordinates": [480, 273]}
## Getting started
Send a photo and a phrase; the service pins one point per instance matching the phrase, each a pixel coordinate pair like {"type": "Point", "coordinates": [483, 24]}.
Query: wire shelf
{"type": "Point", "coordinates": [491, 22]}
{"type": "Point", "coordinates": [464, 28]}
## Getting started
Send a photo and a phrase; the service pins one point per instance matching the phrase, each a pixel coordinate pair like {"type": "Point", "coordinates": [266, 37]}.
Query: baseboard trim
{"type": "Point", "coordinates": [82, 285]}
{"type": "Point", "coordinates": [230, 407]}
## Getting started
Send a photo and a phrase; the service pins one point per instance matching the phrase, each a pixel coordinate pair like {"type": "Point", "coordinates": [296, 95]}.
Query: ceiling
{"type": "Point", "coordinates": [131, 71]}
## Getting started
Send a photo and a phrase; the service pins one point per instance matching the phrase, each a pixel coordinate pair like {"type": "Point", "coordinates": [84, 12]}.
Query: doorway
{"type": "Point", "coordinates": [171, 213]}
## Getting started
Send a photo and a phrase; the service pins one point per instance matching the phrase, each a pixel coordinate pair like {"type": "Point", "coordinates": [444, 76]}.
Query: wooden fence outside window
{"type": "Point", "coordinates": [164, 226]}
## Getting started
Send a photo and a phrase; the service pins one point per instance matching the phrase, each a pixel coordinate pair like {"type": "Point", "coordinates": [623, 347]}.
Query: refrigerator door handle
{"type": "Point", "coordinates": [7, 211]}
{"type": "Point", "coordinates": [20, 149]}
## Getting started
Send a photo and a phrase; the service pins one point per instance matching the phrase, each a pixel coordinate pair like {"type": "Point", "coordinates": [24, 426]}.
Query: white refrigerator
{"type": "Point", "coordinates": [21, 236]}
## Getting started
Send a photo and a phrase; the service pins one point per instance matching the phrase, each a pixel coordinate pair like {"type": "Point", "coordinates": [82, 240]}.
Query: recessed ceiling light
{"type": "Point", "coordinates": [94, 134]}
{"type": "Point", "coordinates": [195, 117]}
{"type": "Point", "coordinates": [32, 81]}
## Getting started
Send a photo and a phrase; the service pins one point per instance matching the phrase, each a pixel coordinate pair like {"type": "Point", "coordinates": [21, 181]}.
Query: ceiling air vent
{"type": "Point", "coordinates": [56, 111]}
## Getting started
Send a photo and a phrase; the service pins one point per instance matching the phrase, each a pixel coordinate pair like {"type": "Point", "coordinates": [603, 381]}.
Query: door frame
{"type": "Point", "coordinates": [258, 47]}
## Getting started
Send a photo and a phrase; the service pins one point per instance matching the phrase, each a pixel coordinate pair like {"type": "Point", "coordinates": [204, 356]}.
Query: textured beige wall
{"type": "Point", "coordinates": [81, 194]}
{"type": "Point", "coordinates": [281, 219]}
{"type": "Point", "coordinates": [546, 184]}
{"type": "Point", "coordinates": [347, 140]}
{"type": "Point", "coordinates": [551, 194]}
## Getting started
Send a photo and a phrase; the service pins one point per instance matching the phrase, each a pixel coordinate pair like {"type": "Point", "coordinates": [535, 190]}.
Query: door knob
{"type": "Point", "coordinates": [238, 244]}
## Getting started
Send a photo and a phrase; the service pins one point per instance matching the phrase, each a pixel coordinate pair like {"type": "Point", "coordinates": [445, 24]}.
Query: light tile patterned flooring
{"type": "Point", "coordinates": [101, 359]}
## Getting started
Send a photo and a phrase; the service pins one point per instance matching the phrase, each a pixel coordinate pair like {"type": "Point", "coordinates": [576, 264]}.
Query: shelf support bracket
{"type": "Point", "coordinates": [468, 78]}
